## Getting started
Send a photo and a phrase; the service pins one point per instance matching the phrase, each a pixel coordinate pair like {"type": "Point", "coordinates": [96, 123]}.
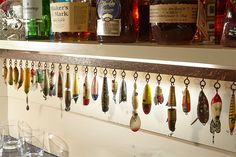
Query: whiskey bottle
{"type": "Point", "coordinates": [36, 16]}
{"type": "Point", "coordinates": [144, 24]}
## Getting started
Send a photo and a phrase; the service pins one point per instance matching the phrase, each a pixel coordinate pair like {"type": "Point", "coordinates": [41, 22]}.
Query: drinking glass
{"type": "Point", "coordinates": [58, 146]}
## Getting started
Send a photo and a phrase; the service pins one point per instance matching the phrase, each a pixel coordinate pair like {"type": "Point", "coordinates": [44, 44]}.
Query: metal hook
{"type": "Point", "coordinates": [217, 85]}
{"type": "Point", "coordinates": [202, 83]}
{"type": "Point", "coordinates": [86, 70]}
{"type": "Point", "coordinates": [172, 80]}
{"type": "Point", "coordinates": [10, 62]}
{"type": "Point", "coordinates": [76, 68]}
{"type": "Point", "coordinates": [60, 67]}
{"type": "Point", "coordinates": [26, 63]}
{"type": "Point", "coordinates": [147, 77]}
{"type": "Point", "coordinates": [39, 64]}
{"type": "Point", "coordinates": [123, 74]}
{"type": "Point", "coordinates": [5, 62]}
{"type": "Point", "coordinates": [114, 73]}
{"type": "Point", "coordinates": [32, 64]}
{"type": "Point", "coordinates": [15, 62]}
{"type": "Point", "coordinates": [233, 87]}
{"type": "Point", "coordinates": [20, 63]}
{"type": "Point", "coordinates": [67, 68]}
{"type": "Point", "coordinates": [45, 65]}
{"type": "Point", "coordinates": [52, 66]}
{"type": "Point", "coordinates": [95, 71]}
{"type": "Point", "coordinates": [186, 81]}
{"type": "Point", "coordinates": [159, 78]}
{"type": "Point", "coordinates": [105, 71]}
{"type": "Point", "coordinates": [135, 76]}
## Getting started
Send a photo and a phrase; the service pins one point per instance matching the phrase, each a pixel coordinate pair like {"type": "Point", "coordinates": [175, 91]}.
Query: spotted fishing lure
{"type": "Point", "coordinates": [147, 96]}
{"type": "Point", "coordinates": [114, 85]}
{"type": "Point", "coordinates": [232, 110]}
{"type": "Point", "coordinates": [15, 75]}
{"type": "Point", "coordinates": [172, 103]}
{"type": "Point", "coordinates": [123, 89]}
{"type": "Point", "coordinates": [52, 82]}
{"type": "Point", "coordinates": [10, 74]}
{"type": "Point", "coordinates": [186, 102]}
{"type": "Point", "coordinates": [135, 121]}
{"type": "Point", "coordinates": [27, 83]}
{"type": "Point", "coordinates": [76, 85]}
{"type": "Point", "coordinates": [158, 97]}
{"type": "Point", "coordinates": [203, 106]}
{"type": "Point", "coordinates": [94, 86]}
{"type": "Point", "coordinates": [67, 89]}
{"type": "Point", "coordinates": [86, 90]}
{"type": "Point", "coordinates": [105, 93]}
{"type": "Point", "coordinates": [5, 71]}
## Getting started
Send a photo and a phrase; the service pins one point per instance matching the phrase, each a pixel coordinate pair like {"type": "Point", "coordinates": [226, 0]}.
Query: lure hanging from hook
{"type": "Point", "coordinates": [94, 86]}
{"type": "Point", "coordinates": [172, 103]}
{"type": "Point", "coordinates": [27, 83]}
{"type": "Point", "coordinates": [22, 76]}
{"type": "Point", "coordinates": [186, 101]}
{"type": "Point", "coordinates": [114, 85]}
{"type": "Point", "coordinates": [10, 76]}
{"type": "Point", "coordinates": [232, 110]}
{"type": "Point", "coordinates": [105, 93]}
{"type": "Point", "coordinates": [39, 76]}
{"type": "Point", "coordinates": [67, 89]}
{"type": "Point", "coordinates": [45, 81]}
{"type": "Point", "coordinates": [76, 84]}
{"type": "Point", "coordinates": [203, 106]}
{"type": "Point", "coordinates": [158, 98]}
{"type": "Point", "coordinates": [60, 85]}
{"type": "Point", "coordinates": [135, 121]}
{"type": "Point", "coordinates": [15, 75]}
{"type": "Point", "coordinates": [123, 88]}
{"type": "Point", "coordinates": [5, 71]}
{"type": "Point", "coordinates": [52, 81]}
{"type": "Point", "coordinates": [86, 90]}
{"type": "Point", "coordinates": [147, 96]}
{"type": "Point", "coordinates": [216, 107]}
{"type": "Point", "coordinates": [33, 77]}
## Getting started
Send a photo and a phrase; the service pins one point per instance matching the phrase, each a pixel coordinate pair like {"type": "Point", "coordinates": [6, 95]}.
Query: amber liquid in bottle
{"type": "Point", "coordinates": [144, 24]}
{"type": "Point", "coordinates": [219, 17]}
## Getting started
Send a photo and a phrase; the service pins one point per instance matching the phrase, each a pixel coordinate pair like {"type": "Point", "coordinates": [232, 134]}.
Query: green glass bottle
{"type": "Point", "coordinates": [36, 14]}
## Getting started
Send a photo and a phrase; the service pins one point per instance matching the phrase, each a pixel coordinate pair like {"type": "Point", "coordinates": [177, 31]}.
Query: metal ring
{"type": "Point", "coordinates": [202, 83]}
{"type": "Point", "coordinates": [39, 64]}
{"type": "Point", "coordinates": [67, 68]}
{"type": "Point", "coordinates": [20, 63]}
{"type": "Point", "coordinates": [123, 74]}
{"type": "Point", "coordinates": [10, 62]}
{"type": "Point", "coordinates": [95, 71]}
{"type": "Point", "coordinates": [159, 78]}
{"type": "Point", "coordinates": [135, 75]}
{"type": "Point", "coordinates": [147, 77]}
{"type": "Point", "coordinates": [217, 85]}
{"type": "Point", "coordinates": [186, 81]}
{"type": "Point", "coordinates": [45, 65]}
{"type": "Point", "coordinates": [76, 68]}
{"type": "Point", "coordinates": [15, 62]}
{"type": "Point", "coordinates": [172, 80]}
{"type": "Point", "coordinates": [5, 62]}
{"type": "Point", "coordinates": [86, 69]}
{"type": "Point", "coordinates": [105, 71]}
{"type": "Point", "coordinates": [60, 66]}
{"type": "Point", "coordinates": [26, 63]}
{"type": "Point", "coordinates": [233, 87]}
{"type": "Point", "coordinates": [114, 73]}
{"type": "Point", "coordinates": [32, 64]}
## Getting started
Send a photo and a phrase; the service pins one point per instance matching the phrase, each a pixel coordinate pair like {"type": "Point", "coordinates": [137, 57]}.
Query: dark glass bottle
{"type": "Point", "coordinates": [144, 24]}
{"type": "Point", "coordinates": [219, 17]}
{"type": "Point", "coordinates": [117, 21]}
{"type": "Point", "coordinates": [229, 31]}
{"type": "Point", "coordinates": [36, 16]}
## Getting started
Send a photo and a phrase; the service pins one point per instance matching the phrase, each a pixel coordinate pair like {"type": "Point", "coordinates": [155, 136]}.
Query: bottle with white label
{"type": "Point", "coordinates": [36, 15]}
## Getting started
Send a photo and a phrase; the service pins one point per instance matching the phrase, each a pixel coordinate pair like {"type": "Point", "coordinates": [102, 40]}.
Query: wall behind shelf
{"type": "Point", "coordinates": [88, 136]}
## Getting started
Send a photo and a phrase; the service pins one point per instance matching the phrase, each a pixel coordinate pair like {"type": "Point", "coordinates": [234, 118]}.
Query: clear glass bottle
{"type": "Point", "coordinates": [36, 15]}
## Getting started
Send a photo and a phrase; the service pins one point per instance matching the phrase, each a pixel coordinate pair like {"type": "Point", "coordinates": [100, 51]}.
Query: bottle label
{"type": "Point", "coordinates": [109, 22]}
{"type": "Point", "coordinates": [92, 20]}
{"type": "Point", "coordinates": [32, 9]}
{"type": "Point", "coordinates": [70, 16]}
{"type": "Point", "coordinates": [173, 13]}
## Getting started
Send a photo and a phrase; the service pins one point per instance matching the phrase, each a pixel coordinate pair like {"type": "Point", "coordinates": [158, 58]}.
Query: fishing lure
{"type": "Point", "coordinates": [216, 107]}
{"type": "Point", "coordinates": [186, 102]}
{"type": "Point", "coordinates": [76, 85]}
{"type": "Point", "coordinates": [86, 90]}
{"type": "Point", "coordinates": [4, 71]}
{"type": "Point", "coordinates": [10, 76]}
{"type": "Point", "coordinates": [45, 82]}
{"type": "Point", "coordinates": [52, 82]}
{"type": "Point", "coordinates": [123, 89]}
{"type": "Point", "coordinates": [60, 85]}
{"type": "Point", "coordinates": [172, 103]}
{"type": "Point", "coordinates": [27, 84]}
{"type": "Point", "coordinates": [135, 121]}
{"type": "Point", "coordinates": [33, 77]}
{"type": "Point", "coordinates": [114, 85]}
{"type": "Point", "coordinates": [203, 106]}
{"type": "Point", "coordinates": [105, 93]}
{"type": "Point", "coordinates": [67, 89]}
{"type": "Point", "coordinates": [147, 99]}
{"type": "Point", "coordinates": [232, 111]}
{"type": "Point", "coordinates": [94, 86]}
{"type": "Point", "coordinates": [39, 76]}
{"type": "Point", "coordinates": [22, 76]}
{"type": "Point", "coordinates": [158, 98]}
{"type": "Point", "coordinates": [15, 75]}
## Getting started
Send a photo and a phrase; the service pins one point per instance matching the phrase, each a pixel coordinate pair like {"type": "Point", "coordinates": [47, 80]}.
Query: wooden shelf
{"type": "Point", "coordinates": [190, 59]}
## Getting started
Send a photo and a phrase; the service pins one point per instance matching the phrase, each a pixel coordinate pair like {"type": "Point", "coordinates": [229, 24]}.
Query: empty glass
{"type": "Point", "coordinates": [58, 146]}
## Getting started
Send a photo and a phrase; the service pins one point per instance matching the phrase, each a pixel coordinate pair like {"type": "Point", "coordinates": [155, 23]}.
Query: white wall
{"type": "Point", "coordinates": [90, 132]}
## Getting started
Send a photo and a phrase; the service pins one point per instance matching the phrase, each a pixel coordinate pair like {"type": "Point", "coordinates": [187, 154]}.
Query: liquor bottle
{"type": "Point", "coordinates": [144, 24]}
{"type": "Point", "coordinates": [219, 17]}
{"type": "Point", "coordinates": [36, 15]}
{"type": "Point", "coordinates": [229, 31]}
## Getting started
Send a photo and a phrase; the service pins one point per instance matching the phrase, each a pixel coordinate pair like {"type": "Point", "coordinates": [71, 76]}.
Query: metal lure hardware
{"type": "Point", "coordinates": [76, 85]}
{"type": "Point", "coordinates": [86, 90]}
{"type": "Point", "coordinates": [105, 95]}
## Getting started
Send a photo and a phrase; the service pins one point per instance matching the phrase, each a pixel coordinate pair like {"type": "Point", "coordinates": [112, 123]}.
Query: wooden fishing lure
{"type": "Point", "coordinates": [135, 122]}
{"type": "Point", "coordinates": [86, 90]}
{"type": "Point", "coordinates": [186, 102]}
{"type": "Point", "coordinates": [135, 98]}
{"type": "Point", "coordinates": [76, 85]}
{"type": "Point", "coordinates": [105, 95]}
{"type": "Point", "coordinates": [67, 91]}
{"type": "Point", "coordinates": [114, 85]}
{"type": "Point", "coordinates": [52, 83]}
{"type": "Point", "coordinates": [158, 97]}
{"type": "Point", "coordinates": [147, 99]}
{"type": "Point", "coordinates": [60, 85]}
{"type": "Point", "coordinates": [10, 76]}
{"type": "Point", "coordinates": [4, 72]}
{"type": "Point", "coordinates": [123, 92]}
{"type": "Point", "coordinates": [27, 85]}
{"type": "Point", "coordinates": [172, 98]}
{"type": "Point", "coordinates": [171, 119]}
{"type": "Point", "coordinates": [22, 77]}
{"type": "Point", "coordinates": [232, 111]}
{"type": "Point", "coordinates": [15, 75]}
{"type": "Point", "coordinates": [94, 88]}
{"type": "Point", "coordinates": [45, 83]}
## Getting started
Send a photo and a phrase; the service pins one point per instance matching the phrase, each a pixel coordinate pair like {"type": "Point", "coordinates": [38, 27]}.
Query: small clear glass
{"type": "Point", "coordinates": [58, 146]}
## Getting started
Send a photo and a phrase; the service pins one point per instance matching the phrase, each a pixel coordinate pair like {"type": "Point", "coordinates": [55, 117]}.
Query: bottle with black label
{"type": "Point", "coordinates": [36, 15]}
{"type": "Point", "coordinates": [229, 31]}
{"type": "Point", "coordinates": [144, 24]}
